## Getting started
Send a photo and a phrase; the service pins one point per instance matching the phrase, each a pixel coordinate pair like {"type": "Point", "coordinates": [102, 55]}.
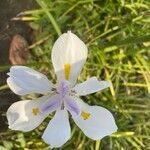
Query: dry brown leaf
{"type": "Point", "coordinates": [18, 51]}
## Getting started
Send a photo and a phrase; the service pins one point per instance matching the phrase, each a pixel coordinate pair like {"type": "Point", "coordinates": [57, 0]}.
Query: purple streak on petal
{"type": "Point", "coordinates": [51, 105]}
{"type": "Point", "coordinates": [71, 105]}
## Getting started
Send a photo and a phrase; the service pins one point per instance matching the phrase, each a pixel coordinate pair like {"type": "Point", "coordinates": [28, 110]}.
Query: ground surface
{"type": "Point", "coordinates": [8, 28]}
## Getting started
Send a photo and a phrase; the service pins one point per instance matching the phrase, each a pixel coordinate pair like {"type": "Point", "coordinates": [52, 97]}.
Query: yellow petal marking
{"type": "Point", "coordinates": [35, 111]}
{"type": "Point", "coordinates": [67, 68]}
{"type": "Point", "coordinates": [85, 115]}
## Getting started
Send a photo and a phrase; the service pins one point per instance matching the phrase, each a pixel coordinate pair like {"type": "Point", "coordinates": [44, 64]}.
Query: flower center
{"type": "Point", "coordinates": [61, 99]}
{"type": "Point", "coordinates": [63, 88]}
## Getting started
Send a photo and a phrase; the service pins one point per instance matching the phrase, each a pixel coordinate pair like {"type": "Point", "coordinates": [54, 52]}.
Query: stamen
{"type": "Point", "coordinates": [67, 68]}
{"type": "Point", "coordinates": [35, 111]}
{"type": "Point", "coordinates": [85, 115]}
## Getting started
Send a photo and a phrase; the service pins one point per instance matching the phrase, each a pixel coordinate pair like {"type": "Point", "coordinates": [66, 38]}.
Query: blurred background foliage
{"type": "Point", "coordinates": [117, 33]}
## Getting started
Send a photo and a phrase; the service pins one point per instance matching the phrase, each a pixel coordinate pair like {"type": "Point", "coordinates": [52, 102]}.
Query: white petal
{"type": "Point", "coordinates": [68, 50]}
{"type": "Point", "coordinates": [20, 115]}
{"type": "Point", "coordinates": [91, 85]}
{"type": "Point", "coordinates": [58, 130]}
{"type": "Point", "coordinates": [24, 80]}
{"type": "Point", "coordinates": [99, 124]}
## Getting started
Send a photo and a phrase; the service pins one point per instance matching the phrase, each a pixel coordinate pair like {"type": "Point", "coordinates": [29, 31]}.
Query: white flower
{"type": "Point", "coordinates": [69, 54]}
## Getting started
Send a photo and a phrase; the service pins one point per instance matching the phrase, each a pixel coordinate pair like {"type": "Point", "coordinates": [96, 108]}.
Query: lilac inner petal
{"type": "Point", "coordinates": [71, 105]}
{"type": "Point", "coordinates": [51, 105]}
